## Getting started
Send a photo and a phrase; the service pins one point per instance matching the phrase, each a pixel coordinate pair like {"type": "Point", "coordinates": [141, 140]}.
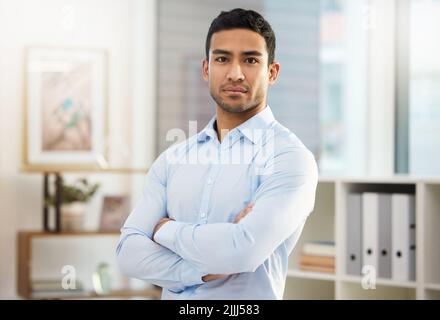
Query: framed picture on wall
{"type": "Point", "coordinates": [65, 118]}
{"type": "Point", "coordinates": [115, 209]}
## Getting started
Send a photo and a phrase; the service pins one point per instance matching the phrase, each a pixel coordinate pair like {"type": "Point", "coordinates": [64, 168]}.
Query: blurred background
{"type": "Point", "coordinates": [114, 83]}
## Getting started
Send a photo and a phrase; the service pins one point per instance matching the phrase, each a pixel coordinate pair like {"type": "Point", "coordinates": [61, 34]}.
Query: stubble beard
{"type": "Point", "coordinates": [234, 109]}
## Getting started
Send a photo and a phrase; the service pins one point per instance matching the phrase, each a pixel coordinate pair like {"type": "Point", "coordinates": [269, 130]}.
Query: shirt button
{"type": "Point", "coordinates": [210, 181]}
{"type": "Point", "coordinates": [203, 214]}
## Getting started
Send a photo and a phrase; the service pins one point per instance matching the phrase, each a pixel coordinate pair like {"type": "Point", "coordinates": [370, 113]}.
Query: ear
{"type": "Point", "coordinates": [274, 70]}
{"type": "Point", "coordinates": [205, 69]}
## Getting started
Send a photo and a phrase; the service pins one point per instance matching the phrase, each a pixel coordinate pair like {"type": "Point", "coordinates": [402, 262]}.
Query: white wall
{"type": "Point", "coordinates": [91, 24]}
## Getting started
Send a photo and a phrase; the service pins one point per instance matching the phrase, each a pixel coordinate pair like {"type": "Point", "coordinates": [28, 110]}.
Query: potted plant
{"type": "Point", "coordinates": [74, 198]}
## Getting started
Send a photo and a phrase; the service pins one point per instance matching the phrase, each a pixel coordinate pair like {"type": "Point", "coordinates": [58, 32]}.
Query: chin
{"type": "Point", "coordinates": [238, 108]}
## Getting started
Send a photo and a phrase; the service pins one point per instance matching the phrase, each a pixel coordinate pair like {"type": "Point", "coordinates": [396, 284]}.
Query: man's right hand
{"type": "Point", "coordinates": [237, 219]}
{"type": "Point", "coordinates": [243, 213]}
{"type": "Point", "coordinates": [210, 277]}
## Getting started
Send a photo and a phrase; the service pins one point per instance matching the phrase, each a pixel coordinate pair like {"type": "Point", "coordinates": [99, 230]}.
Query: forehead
{"type": "Point", "coordinates": [238, 40]}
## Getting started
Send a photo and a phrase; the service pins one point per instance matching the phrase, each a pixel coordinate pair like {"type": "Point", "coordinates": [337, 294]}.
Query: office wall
{"type": "Point", "coordinates": [100, 24]}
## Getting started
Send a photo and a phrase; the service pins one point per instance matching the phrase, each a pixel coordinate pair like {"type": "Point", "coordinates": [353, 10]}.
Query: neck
{"type": "Point", "coordinates": [227, 121]}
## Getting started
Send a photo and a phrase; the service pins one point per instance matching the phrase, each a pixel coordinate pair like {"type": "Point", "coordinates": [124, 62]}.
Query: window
{"type": "Point", "coordinates": [331, 86]}
{"type": "Point", "coordinates": [424, 88]}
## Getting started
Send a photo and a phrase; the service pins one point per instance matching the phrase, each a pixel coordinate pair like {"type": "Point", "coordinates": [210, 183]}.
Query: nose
{"type": "Point", "coordinates": [235, 73]}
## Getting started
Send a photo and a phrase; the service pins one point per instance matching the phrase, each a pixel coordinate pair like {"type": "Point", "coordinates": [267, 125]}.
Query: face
{"type": "Point", "coordinates": [237, 71]}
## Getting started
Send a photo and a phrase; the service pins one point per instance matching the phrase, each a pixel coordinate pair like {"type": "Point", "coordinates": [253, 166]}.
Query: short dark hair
{"type": "Point", "coordinates": [243, 19]}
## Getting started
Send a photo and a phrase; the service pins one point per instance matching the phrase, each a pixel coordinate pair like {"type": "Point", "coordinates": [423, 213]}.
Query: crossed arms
{"type": "Point", "coordinates": [183, 253]}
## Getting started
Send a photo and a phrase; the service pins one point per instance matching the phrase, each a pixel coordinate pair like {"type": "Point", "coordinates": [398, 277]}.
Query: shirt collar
{"type": "Point", "coordinates": [208, 131]}
{"type": "Point", "coordinates": [252, 129]}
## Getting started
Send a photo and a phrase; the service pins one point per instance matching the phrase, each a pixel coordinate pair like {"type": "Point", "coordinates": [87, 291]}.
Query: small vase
{"type": "Point", "coordinates": [73, 216]}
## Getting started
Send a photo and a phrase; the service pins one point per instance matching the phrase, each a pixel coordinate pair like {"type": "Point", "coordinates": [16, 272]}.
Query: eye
{"type": "Point", "coordinates": [221, 59]}
{"type": "Point", "coordinates": [251, 60]}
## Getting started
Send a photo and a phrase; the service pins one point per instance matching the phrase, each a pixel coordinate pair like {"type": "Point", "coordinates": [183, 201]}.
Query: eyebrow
{"type": "Point", "coordinates": [245, 53]}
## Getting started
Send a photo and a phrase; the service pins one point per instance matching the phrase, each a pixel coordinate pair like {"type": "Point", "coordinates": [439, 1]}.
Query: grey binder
{"type": "Point", "coordinates": [403, 237]}
{"type": "Point", "coordinates": [384, 225]}
{"type": "Point", "coordinates": [354, 234]}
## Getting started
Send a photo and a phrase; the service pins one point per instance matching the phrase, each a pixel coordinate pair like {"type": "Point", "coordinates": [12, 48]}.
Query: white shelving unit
{"type": "Point", "coordinates": [327, 222]}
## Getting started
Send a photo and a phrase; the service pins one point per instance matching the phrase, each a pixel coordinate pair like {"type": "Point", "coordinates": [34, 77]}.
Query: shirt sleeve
{"type": "Point", "coordinates": [282, 203]}
{"type": "Point", "coordinates": [140, 257]}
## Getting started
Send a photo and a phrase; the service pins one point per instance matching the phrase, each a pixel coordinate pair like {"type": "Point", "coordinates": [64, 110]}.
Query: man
{"type": "Point", "coordinates": [221, 212]}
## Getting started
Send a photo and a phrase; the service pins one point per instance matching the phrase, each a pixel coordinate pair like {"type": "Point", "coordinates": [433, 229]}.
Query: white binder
{"type": "Point", "coordinates": [403, 237]}
{"type": "Point", "coordinates": [376, 232]}
{"type": "Point", "coordinates": [370, 238]}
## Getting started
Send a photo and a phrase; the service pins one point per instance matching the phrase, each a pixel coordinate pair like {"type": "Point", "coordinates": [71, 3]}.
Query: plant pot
{"type": "Point", "coordinates": [73, 216]}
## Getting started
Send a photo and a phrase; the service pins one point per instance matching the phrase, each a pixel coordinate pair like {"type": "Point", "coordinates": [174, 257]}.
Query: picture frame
{"type": "Point", "coordinates": [115, 209]}
{"type": "Point", "coordinates": [66, 108]}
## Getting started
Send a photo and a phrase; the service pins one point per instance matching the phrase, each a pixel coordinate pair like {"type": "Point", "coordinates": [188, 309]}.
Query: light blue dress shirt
{"type": "Point", "coordinates": [203, 184]}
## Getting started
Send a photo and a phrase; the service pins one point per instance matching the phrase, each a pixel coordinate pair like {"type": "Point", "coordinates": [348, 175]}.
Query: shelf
{"type": "Point", "coordinates": [348, 290]}
{"type": "Point", "coordinates": [328, 222]}
{"type": "Point", "coordinates": [382, 282]}
{"type": "Point", "coordinates": [393, 179]}
{"type": "Point", "coordinates": [26, 240]}
{"type": "Point", "coordinates": [432, 292]}
{"type": "Point", "coordinates": [432, 286]}
{"type": "Point", "coordinates": [299, 288]}
{"type": "Point", "coordinates": [45, 234]}
{"type": "Point", "coordinates": [430, 204]}
{"type": "Point", "coordinates": [152, 293]}
{"type": "Point", "coordinates": [311, 275]}
{"type": "Point", "coordinates": [48, 169]}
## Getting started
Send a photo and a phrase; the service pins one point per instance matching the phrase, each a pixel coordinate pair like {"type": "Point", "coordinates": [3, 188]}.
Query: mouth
{"type": "Point", "coordinates": [235, 90]}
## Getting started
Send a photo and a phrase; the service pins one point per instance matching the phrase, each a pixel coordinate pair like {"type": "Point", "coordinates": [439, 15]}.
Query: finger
{"type": "Point", "coordinates": [244, 212]}
{"type": "Point", "coordinates": [239, 217]}
{"type": "Point", "coordinates": [247, 210]}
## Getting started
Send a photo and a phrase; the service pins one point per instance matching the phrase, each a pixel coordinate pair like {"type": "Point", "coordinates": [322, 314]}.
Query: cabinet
{"type": "Point", "coordinates": [327, 222]}
{"type": "Point", "coordinates": [26, 243]}
{"type": "Point", "coordinates": [42, 254]}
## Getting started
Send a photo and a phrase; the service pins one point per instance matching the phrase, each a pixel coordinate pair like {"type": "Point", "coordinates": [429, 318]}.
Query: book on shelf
{"type": "Point", "coordinates": [54, 287]}
{"type": "Point", "coordinates": [324, 261]}
{"type": "Point", "coordinates": [318, 256]}
{"type": "Point", "coordinates": [315, 268]}
{"type": "Point", "coordinates": [320, 248]}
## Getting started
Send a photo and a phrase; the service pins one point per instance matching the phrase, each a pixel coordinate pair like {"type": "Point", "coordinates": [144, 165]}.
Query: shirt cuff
{"type": "Point", "coordinates": [191, 276]}
{"type": "Point", "coordinates": [166, 234]}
